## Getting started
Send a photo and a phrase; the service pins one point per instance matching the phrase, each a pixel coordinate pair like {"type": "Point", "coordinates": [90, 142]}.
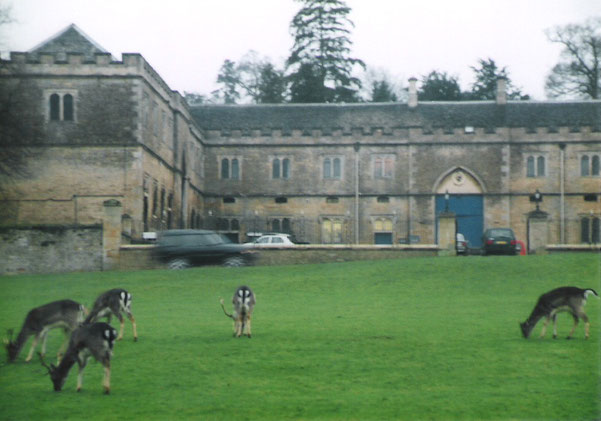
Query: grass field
{"type": "Point", "coordinates": [423, 338]}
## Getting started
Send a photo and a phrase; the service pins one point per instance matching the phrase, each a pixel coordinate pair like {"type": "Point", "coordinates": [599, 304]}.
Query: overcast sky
{"type": "Point", "coordinates": [186, 41]}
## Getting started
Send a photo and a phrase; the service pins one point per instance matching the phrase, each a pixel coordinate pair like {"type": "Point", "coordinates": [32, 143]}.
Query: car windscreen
{"type": "Point", "coordinates": [500, 233]}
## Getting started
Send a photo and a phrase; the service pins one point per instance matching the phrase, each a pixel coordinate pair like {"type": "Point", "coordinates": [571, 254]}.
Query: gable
{"type": "Point", "coordinates": [69, 40]}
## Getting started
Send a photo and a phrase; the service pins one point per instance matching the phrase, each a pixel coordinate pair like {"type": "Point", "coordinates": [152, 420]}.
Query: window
{"type": "Point", "coordinates": [170, 211]}
{"type": "Point", "coordinates": [332, 167]}
{"type": "Point", "coordinates": [230, 169]}
{"type": "Point", "coordinates": [383, 165]}
{"type": "Point", "coordinates": [589, 165]}
{"type": "Point", "coordinates": [281, 199]}
{"type": "Point", "coordinates": [275, 225]}
{"type": "Point", "coordinates": [383, 231]}
{"type": "Point", "coordinates": [281, 225]}
{"type": "Point", "coordinates": [332, 231]}
{"type": "Point", "coordinates": [535, 166]}
{"type": "Point", "coordinates": [229, 199]}
{"type": "Point", "coordinates": [589, 230]}
{"type": "Point", "coordinates": [383, 199]}
{"type": "Point", "coordinates": [61, 107]}
{"type": "Point", "coordinates": [280, 168]}
{"type": "Point", "coordinates": [332, 199]}
{"type": "Point", "coordinates": [54, 107]}
{"type": "Point", "coordinates": [68, 107]}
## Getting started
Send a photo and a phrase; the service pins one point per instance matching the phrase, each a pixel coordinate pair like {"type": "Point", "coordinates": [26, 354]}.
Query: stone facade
{"type": "Point", "coordinates": [356, 173]}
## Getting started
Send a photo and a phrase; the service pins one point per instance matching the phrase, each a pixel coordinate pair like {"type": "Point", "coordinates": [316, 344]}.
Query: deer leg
{"type": "Point", "coordinates": [587, 325]}
{"type": "Point", "coordinates": [544, 331]}
{"type": "Point", "coordinates": [238, 327]}
{"type": "Point", "coordinates": [121, 324]}
{"type": "Point", "coordinates": [106, 382]}
{"type": "Point", "coordinates": [573, 327]}
{"type": "Point", "coordinates": [133, 323]}
{"type": "Point", "coordinates": [555, 326]}
{"type": "Point", "coordinates": [36, 338]}
{"type": "Point", "coordinates": [61, 350]}
{"type": "Point", "coordinates": [82, 365]}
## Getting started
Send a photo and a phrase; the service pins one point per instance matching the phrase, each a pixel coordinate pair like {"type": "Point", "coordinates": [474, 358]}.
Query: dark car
{"type": "Point", "coordinates": [499, 241]}
{"type": "Point", "coordinates": [181, 249]}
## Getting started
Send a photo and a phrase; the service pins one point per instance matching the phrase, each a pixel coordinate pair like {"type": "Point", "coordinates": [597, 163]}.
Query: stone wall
{"type": "Point", "coordinates": [139, 257]}
{"type": "Point", "coordinates": [48, 249]}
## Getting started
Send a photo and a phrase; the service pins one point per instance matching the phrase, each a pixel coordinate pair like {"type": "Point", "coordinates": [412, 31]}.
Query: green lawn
{"type": "Point", "coordinates": [423, 338]}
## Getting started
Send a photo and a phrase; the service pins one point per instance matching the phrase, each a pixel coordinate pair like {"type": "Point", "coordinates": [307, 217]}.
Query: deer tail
{"type": "Point", "coordinates": [223, 307]}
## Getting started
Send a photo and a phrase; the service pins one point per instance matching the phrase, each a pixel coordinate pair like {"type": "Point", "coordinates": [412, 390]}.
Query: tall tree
{"type": "Point", "coordinates": [382, 91]}
{"type": "Point", "coordinates": [253, 79]}
{"type": "Point", "coordinates": [320, 59]}
{"type": "Point", "coordinates": [485, 86]}
{"type": "Point", "coordinates": [229, 81]}
{"type": "Point", "coordinates": [578, 72]}
{"type": "Point", "coordinates": [439, 86]}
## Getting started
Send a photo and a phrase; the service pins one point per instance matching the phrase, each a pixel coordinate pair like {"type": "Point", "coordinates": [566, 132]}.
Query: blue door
{"type": "Point", "coordinates": [469, 212]}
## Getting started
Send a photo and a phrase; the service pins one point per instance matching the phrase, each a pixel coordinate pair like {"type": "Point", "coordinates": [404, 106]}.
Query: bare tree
{"type": "Point", "coordinates": [578, 73]}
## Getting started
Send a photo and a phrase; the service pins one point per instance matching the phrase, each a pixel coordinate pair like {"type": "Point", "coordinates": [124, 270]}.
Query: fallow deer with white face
{"type": "Point", "coordinates": [244, 301]}
{"type": "Point", "coordinates": [89, 340]}
{"type": "Point", "coordinates": [114, 301]}
{"type": "Point", "coordinates": [570, 299]}
{"type": "Point", "coordinates": [65, 314]}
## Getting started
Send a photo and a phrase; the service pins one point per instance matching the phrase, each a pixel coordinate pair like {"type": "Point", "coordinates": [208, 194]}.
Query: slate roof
{"type": "Point", "coordinates": [482, 114]}
{"type": "Point", "coordinates": [69, 40]}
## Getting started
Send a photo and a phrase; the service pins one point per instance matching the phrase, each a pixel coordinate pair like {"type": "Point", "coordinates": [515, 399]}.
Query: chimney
{"type": "Point", "coordinates": [501, 91]}
{"type": "Point", "coordinates": [412, 93]}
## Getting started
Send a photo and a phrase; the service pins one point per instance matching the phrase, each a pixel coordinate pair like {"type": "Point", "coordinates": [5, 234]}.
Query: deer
{"type": "Point", "coordinates": [570, 299]}
{"type": "Point", "coordinates": [65, 314]}
{"type": "Point", "coordinates": [96, 340]}
{"type": "Point", "coordinates": [114, 301]}
{"type": "Point", "coordinates": [244, 301]}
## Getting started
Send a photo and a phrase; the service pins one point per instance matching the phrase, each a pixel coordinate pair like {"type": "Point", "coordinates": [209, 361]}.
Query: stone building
{"type": "Point", "coordinates": [92, 128]}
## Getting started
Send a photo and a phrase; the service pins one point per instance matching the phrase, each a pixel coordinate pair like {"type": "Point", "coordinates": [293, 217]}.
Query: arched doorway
{"type": "Point", "coordinates": [465, 200]}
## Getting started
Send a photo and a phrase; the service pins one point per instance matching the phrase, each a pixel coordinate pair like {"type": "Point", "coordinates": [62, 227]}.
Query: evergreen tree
{"type": "Point", "coordinates": [485, 86]}
{"type": "Point", "coordinates": [439, 86]}
{"type": "Point", "coordinates": [381, 91]}
{"type": "Point", "coordinates": [319, 60]}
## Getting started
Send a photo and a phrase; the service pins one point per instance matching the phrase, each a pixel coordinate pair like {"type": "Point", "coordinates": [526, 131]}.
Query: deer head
{"type": "Point", "coordinates": [10, 346]}
{"type": "Point", "coordinates": [57, 380]}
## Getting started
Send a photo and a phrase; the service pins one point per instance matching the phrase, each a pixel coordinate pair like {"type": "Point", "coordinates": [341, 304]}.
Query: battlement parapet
{"type": "Point", "coordinates": [405, 134]}
{"type": "Point", "coordinates": [78, 64]}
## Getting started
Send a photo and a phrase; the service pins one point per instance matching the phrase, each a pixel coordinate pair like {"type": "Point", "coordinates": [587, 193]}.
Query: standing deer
{"type": "Point", "coordinates": [244, 302]}
{"type": "Point", "coordinates": [65, 314]}
{"type": "Point", "coordinates": [114, 301]}
{"type": "Point", "coordinates": [570, 299]}
{"type": "Point", "coordinates": [97, 340]}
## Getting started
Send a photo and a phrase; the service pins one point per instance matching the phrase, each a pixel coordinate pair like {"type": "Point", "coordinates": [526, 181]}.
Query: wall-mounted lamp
{"type": "Point", "coordinates": [537, 197]}
{"type": "Point", "coordinates": [446, 201]}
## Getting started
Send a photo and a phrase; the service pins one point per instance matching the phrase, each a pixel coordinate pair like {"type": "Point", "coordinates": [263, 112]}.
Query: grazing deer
{"type": "Point", "coordinates": [97, 340]}
{"type": "Point", "coordinates": [244, 302]}
{"type": "Point", "coordinates": [65, 314]}
{"type": "Point", "coordinates": [570, 299]}
{"type": "Point", "coordinates": [114, 301]}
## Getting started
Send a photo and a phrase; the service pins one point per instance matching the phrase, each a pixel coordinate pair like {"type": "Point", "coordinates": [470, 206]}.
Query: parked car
{"type": "Point", "coordinates": [272, 240]}
{"type": "Point", "coordinates": [499, 241]}
{"type": "Point", "coordinates": [461, 245]}
{"type": "Point", "coordinates": [181, 249]}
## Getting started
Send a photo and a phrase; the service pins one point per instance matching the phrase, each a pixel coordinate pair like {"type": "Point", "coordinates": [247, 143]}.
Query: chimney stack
{"type": "Point", "coordinates": [501, 91]}
{"type": "Point", "coordinates": [412, 93]}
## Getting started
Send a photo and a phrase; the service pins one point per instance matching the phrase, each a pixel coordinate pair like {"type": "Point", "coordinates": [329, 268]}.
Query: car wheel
{"type": "Point", "coordinates": [177, 264]}
{"type": "Point", "coordinates": [234, 262]}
